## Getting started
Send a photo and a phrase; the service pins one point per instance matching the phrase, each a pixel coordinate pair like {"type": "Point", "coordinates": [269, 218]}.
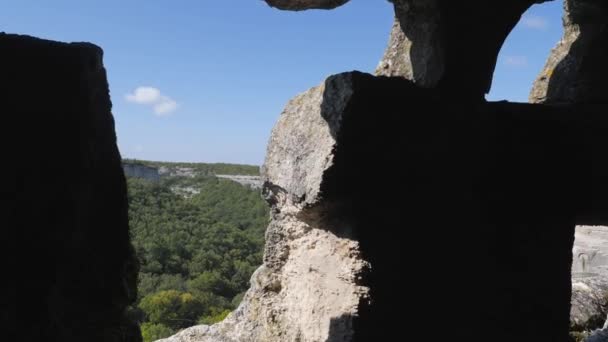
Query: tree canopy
{"type": "Point", "coordinates": [197, 252]}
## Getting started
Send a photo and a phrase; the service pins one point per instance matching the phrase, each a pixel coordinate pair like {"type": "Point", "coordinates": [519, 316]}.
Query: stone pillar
{"type": "Point", "coordinates": [70, 270]}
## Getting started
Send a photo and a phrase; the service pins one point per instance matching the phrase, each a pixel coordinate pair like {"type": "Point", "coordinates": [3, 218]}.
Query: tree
{"type": "Point", "coordinates": [152, 332]}
{"type": "Point", "coordinates": [197, 252]}
{"type": "Point", "coordinates": [172, 309]}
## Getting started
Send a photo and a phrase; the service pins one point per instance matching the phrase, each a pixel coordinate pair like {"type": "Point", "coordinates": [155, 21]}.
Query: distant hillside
{"type": "Point", "coordinates": [197, 169]}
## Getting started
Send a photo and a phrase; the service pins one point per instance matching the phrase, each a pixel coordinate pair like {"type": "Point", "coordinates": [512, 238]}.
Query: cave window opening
{"type": "Point", "coordinates": [525, 52]}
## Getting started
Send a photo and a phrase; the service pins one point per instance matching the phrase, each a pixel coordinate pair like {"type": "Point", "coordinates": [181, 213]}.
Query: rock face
{"type": "Point", "coordinates": [422, 62]}
{"type": "Point", "coordinates": [299, 5]}
{"type": "Point", "coordinates": [141, 171]}
{"type": "Point", "coordinates": [576, 68]}
{"type": "Point", "coordinates": [333, 269]}
{"type": "Point", "coordinates": [590, 251]}
{"type": "Point", "coordinates": [480, 227]}
{"type": "Point", "coordinates": [69, 267]}
{"type": "Point", "coordinates": [589, 279]}
{"type": "Point", "coordinates": [589, 301]}
{"type": "Point", "coordinates": [309, 286]}
{"type": "Point", "coordinates": [178, 171]}
{"type": "Point", "coordinates": [254, 182]}
{"type": "Point", "coordinates": [440, 43]}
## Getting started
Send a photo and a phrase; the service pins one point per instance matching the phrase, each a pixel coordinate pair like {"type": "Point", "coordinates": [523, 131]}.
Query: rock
{"type": "Point", "coordinates": [177, 171]}
{"type": "Point", "coordinates": [71, 270]}
{"type": "Point", "coordinates": [299, 5]}
{"type": "Point", "coordinates": [423, 62]}
{"type": "Point", "coordinates": [436, 43]}
{"type": "Point", "coordinates": [589, 280]}
{"type": "Point", "coordinates": [307, 289]}
{"type": "Point", "coordinates": [254, 182]}
{"type": "Point", "coordinates": [469, 175]}
{"type": "Point", "coordinates": [590, 252]}
{"type": "Point", "coordinates": [576, 69]}
{"type": "Point", "coordinates": [589, 303]}
{"type": "Point", "coordinates": [141, 171]}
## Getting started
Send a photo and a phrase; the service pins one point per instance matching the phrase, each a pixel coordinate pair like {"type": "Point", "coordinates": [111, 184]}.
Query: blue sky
{"type": "Point", "coordinates": [205, 80]}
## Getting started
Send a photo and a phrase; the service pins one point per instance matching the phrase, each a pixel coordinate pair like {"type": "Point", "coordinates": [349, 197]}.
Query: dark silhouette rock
{"type": "Point", "coordinates": [71, 269]}
{"type": "Point", "coordinates": [299, 5]}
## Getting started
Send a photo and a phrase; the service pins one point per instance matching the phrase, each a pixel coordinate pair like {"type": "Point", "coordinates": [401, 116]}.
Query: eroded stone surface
{"type": "Point", "coordinates": [299, 5]}
{"type": "Point", "coordinates": [415, 49]}
{"type": "Point", "coordinates": [141, 171]}
{"type": "Point", "coordinates": [576, 69]}
{"type": "Point", "coordinates": [589, 300]}
{"type": "Point", "coordinates": [307, 288]}
{"type": "Point", "coordinates": [483, 185]}
{"type": "Point", "coordinates": [589, 280]}
{"type": "Point", "coordinates": [437, 43]}
{"type": "Point", "coordinates": [590, 253]}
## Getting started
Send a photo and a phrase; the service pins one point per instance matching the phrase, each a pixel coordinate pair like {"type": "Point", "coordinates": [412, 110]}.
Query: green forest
{"type": "Point", "coordinates": [197, 252]}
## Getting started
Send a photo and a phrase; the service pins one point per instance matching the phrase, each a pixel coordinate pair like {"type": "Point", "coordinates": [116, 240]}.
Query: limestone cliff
{"type": "Point", "coordinates": [590, 280]}
{"type": "Point", "coordinates": [141, 171]}
{"type": "Point", "coordinates": [308, 287]}
{"type": "Point", "coordinates": [474, 242]}
{"type": "Point", "coordinates": [576, 68]}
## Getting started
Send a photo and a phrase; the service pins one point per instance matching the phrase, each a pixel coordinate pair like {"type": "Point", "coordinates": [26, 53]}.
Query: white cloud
{"type": "Point", "coordinates": [516, 61]}
{"type": "Point", "coordinates": [150, 96]}
{"type": "Point", "coordinates": [165, 106]}
{"type": "Point", "coordinates": [535, 22]}
{"type": "Point", "coordinates": [144, 95]}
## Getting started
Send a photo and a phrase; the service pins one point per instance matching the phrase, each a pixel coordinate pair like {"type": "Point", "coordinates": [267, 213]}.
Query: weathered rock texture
{"type": "Point", "coordinates": [589, 280]}
{"type": "Point", "coordinates": [141, 171]}
{"type": "Point", "coordinates": [576, 69]}
{"type": "Point", "coordinates": [589, 302]}
{"type": "Point", "coordinates": [590, 251]}
{"type": "Point", "coordinates": [309, 286]}
{"type": "Point", "coordinates": [254, 182]}
{"type": "Point", "coordinates": [299, 5]}
{"type": "Point", "coordinates": [472, 175]}
{"type": "Point", "coordinates": [415, 49]}
{"type": "Point", "coordinates": [69, 270]}
{"type": "Point", "coordinates": [473, 243]}
{"type": "Point", "coordinates": [443, 42]}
